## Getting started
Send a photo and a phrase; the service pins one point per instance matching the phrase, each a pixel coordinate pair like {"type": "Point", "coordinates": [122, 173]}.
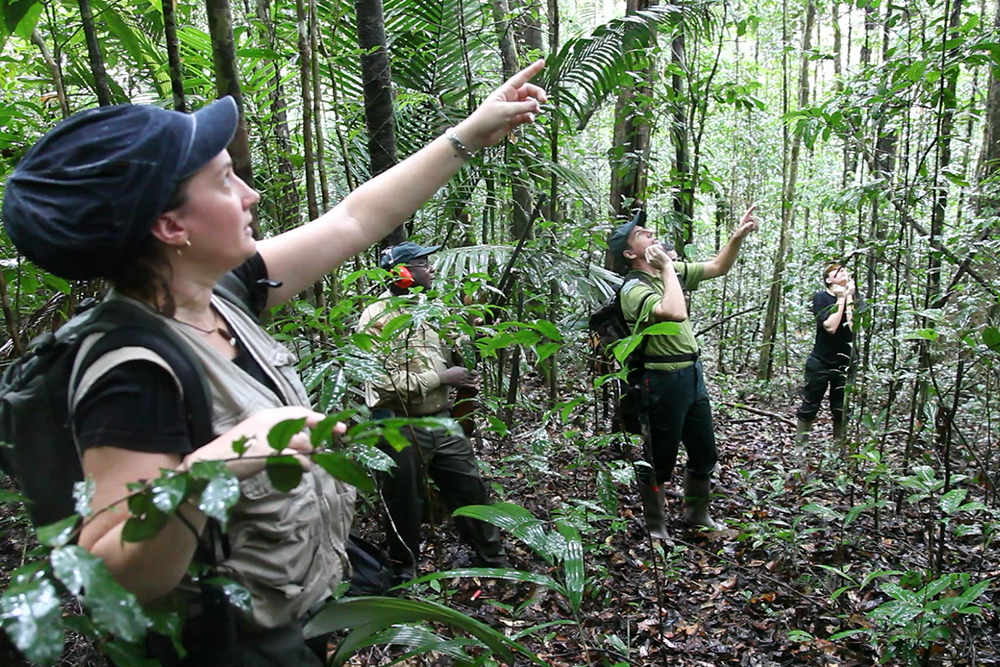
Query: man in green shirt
{"type": "Point", "coordinates": [677, 405]}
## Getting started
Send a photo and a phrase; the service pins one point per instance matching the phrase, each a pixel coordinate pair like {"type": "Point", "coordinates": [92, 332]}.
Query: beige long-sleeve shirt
{"type": "Point", "coordinates": [412, 358]}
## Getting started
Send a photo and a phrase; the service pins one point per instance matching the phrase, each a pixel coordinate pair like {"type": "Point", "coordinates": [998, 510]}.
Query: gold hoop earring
{"type": "Point", "coordinates": [187, 243]}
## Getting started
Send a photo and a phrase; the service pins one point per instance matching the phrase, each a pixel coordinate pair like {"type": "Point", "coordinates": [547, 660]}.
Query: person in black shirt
{"type": "Point", "coordinates": [830, 361]}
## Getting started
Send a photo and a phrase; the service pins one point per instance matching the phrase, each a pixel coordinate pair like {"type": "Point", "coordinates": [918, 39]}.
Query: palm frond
{"type": "Point", "coordinates": [587, 69]}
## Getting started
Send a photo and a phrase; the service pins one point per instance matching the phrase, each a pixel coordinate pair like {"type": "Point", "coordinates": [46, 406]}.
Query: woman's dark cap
{"type": "Point", "coordinates": [83, 199]}
{"type": "Point", "coordinates": [403, 253]}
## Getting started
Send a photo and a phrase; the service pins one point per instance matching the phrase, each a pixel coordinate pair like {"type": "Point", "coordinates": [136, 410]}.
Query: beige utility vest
{"type": "Point", "coordinates": [287, 549]}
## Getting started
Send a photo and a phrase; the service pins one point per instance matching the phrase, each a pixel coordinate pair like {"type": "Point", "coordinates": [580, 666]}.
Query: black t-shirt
{"type": "Point", "coordinates": [137, 406]}
{"type": "Point", "coordinates": [833, 350]}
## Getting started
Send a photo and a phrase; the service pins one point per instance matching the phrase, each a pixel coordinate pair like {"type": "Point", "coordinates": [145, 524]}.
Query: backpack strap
{"type": "Point", "coordinates": [142, 335]}
{"type": "Point", "coordinates": [129, 327]}
{"type": "Point", "coordinates": [235, 291]}
{"type": "Point", "coordinates": [639, 354]}
{"type": "Point", "coordinates": [103, 352]}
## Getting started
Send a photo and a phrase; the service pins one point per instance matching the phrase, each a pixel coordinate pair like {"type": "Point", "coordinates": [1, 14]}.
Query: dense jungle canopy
{"type": "Point", "coordinates": [867, 132]}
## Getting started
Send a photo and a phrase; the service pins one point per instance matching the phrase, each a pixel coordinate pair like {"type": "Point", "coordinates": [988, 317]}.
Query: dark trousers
{"type": "Point", "coordinates": [679, 411]}
{"type": "Point", "coordinates": [819, 376]}
{"type": "Point", "coordinates": [450, 462]}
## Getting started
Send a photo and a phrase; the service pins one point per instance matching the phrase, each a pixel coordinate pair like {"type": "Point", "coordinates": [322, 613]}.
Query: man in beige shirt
{"type": "Point", "coordinates": [416, 381]}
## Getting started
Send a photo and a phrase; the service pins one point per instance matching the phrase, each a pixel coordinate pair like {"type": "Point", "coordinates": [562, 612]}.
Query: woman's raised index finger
{"type": "Point", "coordinates": [525, 75]}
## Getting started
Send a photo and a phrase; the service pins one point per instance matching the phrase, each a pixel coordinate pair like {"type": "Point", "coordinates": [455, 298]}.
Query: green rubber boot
{"type": "Point", "coordinates": [802, 428]}
{"type": "Point", "coordinates": [651, 496]}
{"type": "Point", "coordinates": [696, 493]}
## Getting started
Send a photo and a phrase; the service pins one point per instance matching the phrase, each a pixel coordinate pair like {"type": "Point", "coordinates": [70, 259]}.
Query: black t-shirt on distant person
{"type": "Point", "coordinates": [137, 406]}
{"type": "Point", "coordinates": [833, 350]}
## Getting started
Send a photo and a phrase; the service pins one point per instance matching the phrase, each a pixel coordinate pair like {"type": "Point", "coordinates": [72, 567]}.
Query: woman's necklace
{"type": "Point", "coordinates": [229, 337]}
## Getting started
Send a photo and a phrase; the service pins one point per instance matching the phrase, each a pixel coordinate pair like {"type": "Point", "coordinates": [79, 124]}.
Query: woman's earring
{"type": "Point", "coordinates": [187, 243]}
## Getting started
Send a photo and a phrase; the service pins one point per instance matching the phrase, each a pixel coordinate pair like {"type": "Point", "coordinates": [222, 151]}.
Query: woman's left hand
{"type": "Point", "coordinates": [514, 103]}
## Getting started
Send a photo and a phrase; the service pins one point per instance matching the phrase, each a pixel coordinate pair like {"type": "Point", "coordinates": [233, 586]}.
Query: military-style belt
{"type": "Point", "coordinates": [386, 413]}
{"type": "Point", "coordinates": [670, 358]}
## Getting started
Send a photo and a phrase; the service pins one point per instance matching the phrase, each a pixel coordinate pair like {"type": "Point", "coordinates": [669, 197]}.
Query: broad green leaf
{"type": "Point", "coordinates": [167, 624]}
{"type": "Point", "coordinates": [169, 492]}
{"type": "Point", "coordinates": [83, 493]}
{"type": "Point", "coordinates": [218, 496]}
{"type": "Point", "coordinates": [923, 334]}
{"type": "Point", "coordinates": [517, 521]}
{"type": "Point", "coordinates": [322, 433]}
{"type": "Point", "coordinates": [284, 472]}
{"type": "Point", "coordinates": [16, 11]}
{"type": "Point", "coordinates": [369, 615]}
{"type": "Point", "coordinates": [821, 510]}
{"type": "Point", "coordinates": [573, 566]}
{"type": "Point", "coordinates": [567, 409]}
{"type": "Point", "coordinates": [282, 432]}
{"type": "Point", "coordinates": [871, 576]}
{"type": "Point", "coordinates": [111, 606]}
{"type": "Point", "coordinates": [662, 329]}
{"type": "Point", "coordinates": [546, 350]}
{"type": "Point", "coordinates": [420, 640]}
{"type": "Point", "coordinates": [114, 608]}
{"type": "Point", "coordinates": [507, 574]}
{"type": "Point", "coordinates": [547, 329]}
{"type": "Point", "coordinates": [145, 527]}
{"type": "Point", "coordinates": [241, 445]}
{"type": "Point", "coordinates": [59, 533]}
{"type": "Point", "coordinates": [74, 566]}
{"type": "Point", "coordinates": [344, 469]}
{"type": "Point", "coordinates": [31, 615]}
{"type": "Point", "coordinates": [950, 502]}
{"type": "Point", "coordinates": [991, 336]}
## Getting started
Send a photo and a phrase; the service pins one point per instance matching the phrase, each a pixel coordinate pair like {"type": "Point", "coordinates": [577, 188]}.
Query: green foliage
{"type": "Point", "coordinates": [918, 613]}
{"type": "Point", "coordinates": [365, 617]}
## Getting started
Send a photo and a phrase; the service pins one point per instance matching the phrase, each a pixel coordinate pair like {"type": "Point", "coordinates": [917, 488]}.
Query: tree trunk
{"type": "Point", "coordinates": [94, 53]}
{"type": "Point", "coordinates": [174, 56]}
{"type": "Point", "coordinates": [989, 158]}
{"type": "Point", "coordinates": [765, 363]}
{"type": "Point", "coordinates": [529, 26]}
{"type": "Point", "coordinates": [377, 80]}
{"type": "Point", "coordinates": [520, 191]}
{"type": "Point", "coordinates": [630, 140]}
{"type": "Point", "coordinates": [305, 86]}
{"type": "Point", "coordinates": [227, 82]}
{"type": "Point", "coordinates": [288, 209]}
{"type": "Point", "coordinates": [683, 187]}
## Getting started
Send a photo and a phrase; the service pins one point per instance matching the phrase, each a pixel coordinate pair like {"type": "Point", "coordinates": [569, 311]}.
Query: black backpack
{"type": "Point", "coordinates": [40, 452]}
{"type": "Point", "coordinates": [609, 324]}
{"type": "Point", "coordinates": [37, 448]}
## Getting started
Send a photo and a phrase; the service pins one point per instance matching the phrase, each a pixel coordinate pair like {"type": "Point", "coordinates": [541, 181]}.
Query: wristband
{"type": "Point", "coordinates": [460, 149]}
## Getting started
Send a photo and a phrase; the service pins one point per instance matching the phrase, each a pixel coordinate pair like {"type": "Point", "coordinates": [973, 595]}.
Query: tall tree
{"type": "Point", "coordinates": [288, 201]}
{"type": "Point", "coordinates": [630, 141]}
{"type": "Point", "coordinates": [989, 159]}
{"type": "Point", "coordinates": [94, 53]}
{"type": "Point", "coordinates": [227, 82]}
{"type": "Point", "coordinates": [174, 55]}
{"type": "Point", "coordinates": [520, 191]}
{"type": "Point", "coordinates": [377, 77]}
{"type": "Point", "coordinates": [765, 361]}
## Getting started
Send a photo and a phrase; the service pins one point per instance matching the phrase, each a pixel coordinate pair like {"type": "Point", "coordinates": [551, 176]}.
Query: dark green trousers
{"type": "Point", "coordinates": [679, 411]}
{"type": "Point", "coordinates": [450, 462]}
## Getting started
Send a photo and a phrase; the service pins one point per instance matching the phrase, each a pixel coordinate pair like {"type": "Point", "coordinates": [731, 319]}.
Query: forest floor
{"type": "Point", "coordinates": [764, 590]}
